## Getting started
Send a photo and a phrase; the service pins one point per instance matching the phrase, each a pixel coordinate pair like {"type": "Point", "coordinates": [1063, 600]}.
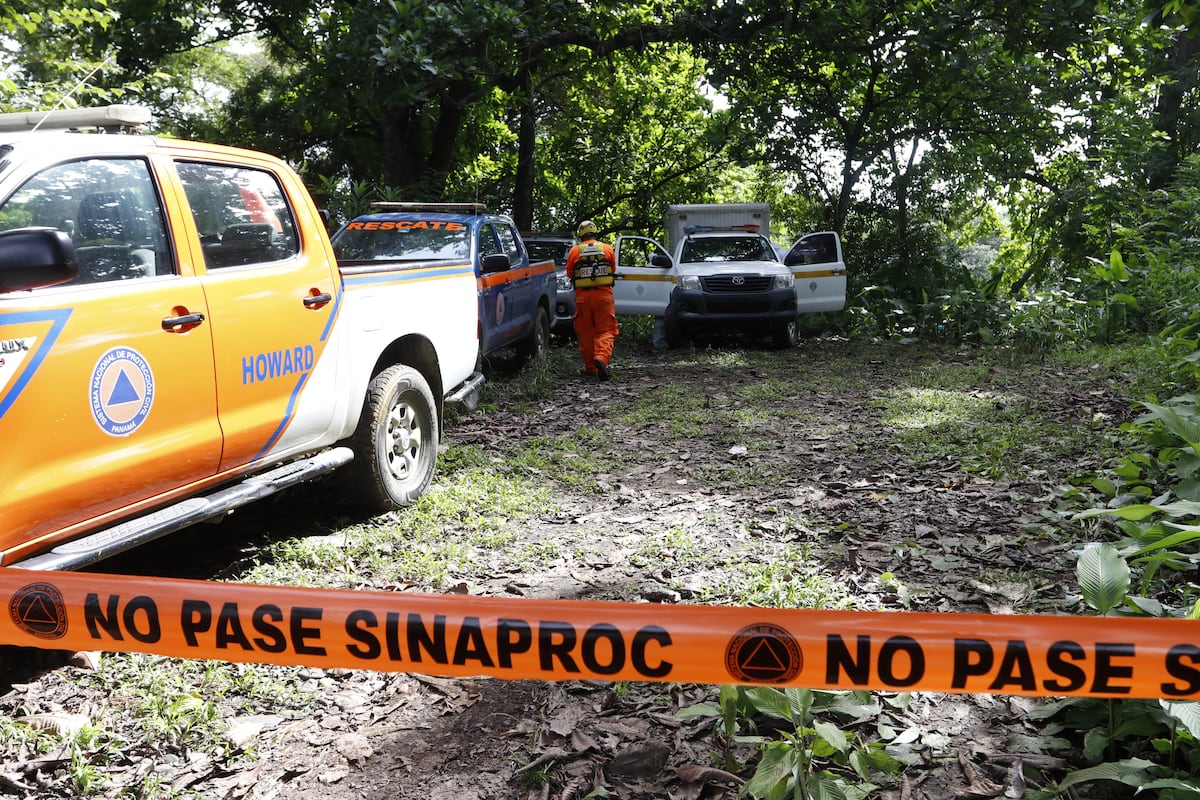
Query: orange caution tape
{"type": "Point", "coordinates": [454, 635]}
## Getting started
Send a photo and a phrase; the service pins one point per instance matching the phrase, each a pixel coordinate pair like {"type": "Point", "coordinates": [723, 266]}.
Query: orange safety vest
{"type": "Point", "coordinates": [593, 268]}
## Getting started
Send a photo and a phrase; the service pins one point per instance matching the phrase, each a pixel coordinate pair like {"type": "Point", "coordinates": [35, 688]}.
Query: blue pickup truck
{"type": "Point", "coordinates": [516, 294]}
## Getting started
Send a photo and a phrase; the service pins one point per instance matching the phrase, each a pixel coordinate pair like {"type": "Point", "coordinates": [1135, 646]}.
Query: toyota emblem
{"type": "Point", "coordinates": [738, 280]}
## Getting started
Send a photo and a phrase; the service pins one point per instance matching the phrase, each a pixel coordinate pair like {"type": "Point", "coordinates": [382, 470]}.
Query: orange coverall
{"type": "Point", "coordinates": [595, 314]}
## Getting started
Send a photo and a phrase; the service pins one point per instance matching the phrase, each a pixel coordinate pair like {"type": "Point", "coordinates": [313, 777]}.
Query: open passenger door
{"type": "Point", "coordinates": [816, 261]}
{"type": "Point", "coordinates": [644, 280]}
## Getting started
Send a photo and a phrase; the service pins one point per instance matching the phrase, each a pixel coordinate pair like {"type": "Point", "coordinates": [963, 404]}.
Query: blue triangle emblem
{"type": "Point", "coordinates": [123, 391]}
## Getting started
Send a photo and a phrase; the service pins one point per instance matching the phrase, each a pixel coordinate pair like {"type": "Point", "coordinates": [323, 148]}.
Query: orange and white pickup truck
{"type": "Point", "coordinates": [177, 340]}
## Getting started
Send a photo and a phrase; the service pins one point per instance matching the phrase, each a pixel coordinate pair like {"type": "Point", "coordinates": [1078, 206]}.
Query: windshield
{"type": "Point", "coordinates": [728, 248]}
{"type": "Point", "coordinates": [403, 240]}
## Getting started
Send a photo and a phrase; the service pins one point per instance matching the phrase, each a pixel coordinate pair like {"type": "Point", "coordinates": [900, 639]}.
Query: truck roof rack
{"type": "Point", "coordinates": [448, 208]}
{"type": "Point", "coordinates": [111, 119]}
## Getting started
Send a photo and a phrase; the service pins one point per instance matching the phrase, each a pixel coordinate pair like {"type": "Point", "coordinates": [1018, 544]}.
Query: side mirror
{"type": "Point", "coordinates": [659, 260]}
{"type": "Point", "coordinates": [494, 262]}
{"type": "Point", "coordinates": [31, 258]}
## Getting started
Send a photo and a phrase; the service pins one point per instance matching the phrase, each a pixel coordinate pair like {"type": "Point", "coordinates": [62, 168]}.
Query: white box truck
{"type": "Point", "coordinates": [702, 217]}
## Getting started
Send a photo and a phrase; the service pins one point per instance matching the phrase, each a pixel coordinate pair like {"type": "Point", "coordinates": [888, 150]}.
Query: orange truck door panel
{"type": "Point", "coordinates": [138, 397]}
{"type": "Point", "coordinates": [129, 401]}
{"type": "Point", "coordinates": [274, 304]}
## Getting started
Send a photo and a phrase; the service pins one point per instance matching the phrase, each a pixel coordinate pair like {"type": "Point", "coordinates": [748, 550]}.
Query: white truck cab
{"type": "Point", "coordinates": [723, 272]}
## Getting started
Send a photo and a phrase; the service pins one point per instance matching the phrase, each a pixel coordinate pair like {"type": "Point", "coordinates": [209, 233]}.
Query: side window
{"type": "Point", "coordinates": [509, 243]}
{"type": "Point", "coordinates": [241, 214]}
{"type": "Point", "coordinates": [817, 248]}
{"type": "Point", "coordinates": [110, 209]}
{"type": "Point", "coordinates": [636, 252]}
{"type": "Point", "coordinates": [487, 241]}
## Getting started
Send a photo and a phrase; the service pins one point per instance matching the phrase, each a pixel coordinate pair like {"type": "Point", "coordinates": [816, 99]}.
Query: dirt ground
{"type": "Point", "coordinates": [959, 541]}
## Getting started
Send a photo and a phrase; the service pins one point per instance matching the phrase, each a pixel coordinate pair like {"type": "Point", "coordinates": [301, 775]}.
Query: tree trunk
{"type": "Point", "coordinates": [526, 145]}
{"type": "Point", "coordinates": [401, 163]}
{"type": "Point", "coordinates": [450, 119]}
{"type": "Point", "coordinates": [1170, 112]}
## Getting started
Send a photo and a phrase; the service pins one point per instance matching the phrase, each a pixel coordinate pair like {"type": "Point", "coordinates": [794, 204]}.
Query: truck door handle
{"type": "Point", "coordinates": [317, 300]}
{"type": "Point", "coordinates": [182, 323]}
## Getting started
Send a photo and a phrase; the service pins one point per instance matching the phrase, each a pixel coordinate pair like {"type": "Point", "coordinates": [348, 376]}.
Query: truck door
{"type": "Point", "coordinates": [816, 261]}
{"type": "Point", "coordinates": [642, 286]}
{"type": "Point", "coordinates": [107, 395]}
{"type": "Point", "coordinates": [273, 299]}
{"type": "Point", "coordinates": [500, 305]}
{"type": "Point", "coordinates": [520, 284]}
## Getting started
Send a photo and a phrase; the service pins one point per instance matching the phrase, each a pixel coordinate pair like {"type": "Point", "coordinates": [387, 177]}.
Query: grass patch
{"type": "Point", "coordinates": [737, 475]}
{"type": "Point", "coordinates": [677, 548]}
{"type": "Point", "coordinates": [678, 409]}
{"type": "Point", "coordinates": [995, 435]}
{"type": "Point", "coordinates": [471, 508]}
{"type": "Point", "coordinates": [575, 460]}
{"type": "Point", "coordinates": [788, 576]}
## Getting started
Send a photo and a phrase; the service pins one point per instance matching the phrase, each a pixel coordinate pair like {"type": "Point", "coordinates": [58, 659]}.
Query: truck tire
{"type": "Point", "coordinates": [395, 446]}
{"type": "Point", "coordinates": [787, 334]}
{"type": "Point", "coordinates": [676, 337]}
{"type": "Point", "coordinates": [536, 346]}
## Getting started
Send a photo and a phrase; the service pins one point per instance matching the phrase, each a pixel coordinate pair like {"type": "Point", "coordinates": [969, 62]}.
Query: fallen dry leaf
{"type": "Point", "coordinates": [65, 725]}
{"type": "Point", "coordinates": [694, 773]}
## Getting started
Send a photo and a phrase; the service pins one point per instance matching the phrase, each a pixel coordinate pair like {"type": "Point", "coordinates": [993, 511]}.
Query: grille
{"type": "Point", "coordinates": [733, 304]}
{"type": "Point", "coordinates": [729, 283]}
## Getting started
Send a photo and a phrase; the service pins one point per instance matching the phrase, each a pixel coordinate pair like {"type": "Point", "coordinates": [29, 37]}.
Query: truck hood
{"type": "Point", "coordinates": [709, 268]}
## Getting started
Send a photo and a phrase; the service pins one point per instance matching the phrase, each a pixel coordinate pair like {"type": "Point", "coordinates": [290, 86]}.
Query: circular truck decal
{"type": "Point", "coordinates": [122, 391]}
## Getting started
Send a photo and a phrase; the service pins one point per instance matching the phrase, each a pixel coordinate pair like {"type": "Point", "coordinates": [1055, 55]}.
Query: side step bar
{"type": "Point", "coordinates": [89, 549]}
{"type": "Point", "coordinates": [467, 392]}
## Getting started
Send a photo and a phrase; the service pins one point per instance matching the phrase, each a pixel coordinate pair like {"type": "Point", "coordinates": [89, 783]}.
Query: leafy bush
{"type": "Point", "coordinates": [1152, 499]}
{"type": "Point", "coordinates": [802, 750]}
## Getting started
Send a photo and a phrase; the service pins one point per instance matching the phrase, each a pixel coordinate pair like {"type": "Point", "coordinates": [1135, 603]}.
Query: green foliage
{"type": "Point", "coordinates": [1153, 500]}
{"type": "Point", "coordinates": [1103, 577]}
{"type": "Point", "coordinates": [810, 756]}
{"type": "Point", "coordinates": [608, 155]}
{"type": "Point", "coordinates": [1150, 745]}
{"type": "Point", "coordinates": [344, 199]}
{"type": "Point", "coordinates": [973, 205]}
{"type": "Point", "coordinates": [56, 56]}
{"type": "Point", "coordinates": [1152, 504]}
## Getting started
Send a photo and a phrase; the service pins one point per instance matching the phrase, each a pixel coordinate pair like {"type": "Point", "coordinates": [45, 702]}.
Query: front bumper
{"type": "Point", "coordinates": [564, 312]}
{"type": "Point", "coordinates": [693, 308]}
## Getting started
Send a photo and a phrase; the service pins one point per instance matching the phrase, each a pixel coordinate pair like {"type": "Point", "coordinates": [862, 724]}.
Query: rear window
{"type": "Point", "coordinates": [241, 214]}
{"type": "Point", "coordinates": [548, 251]}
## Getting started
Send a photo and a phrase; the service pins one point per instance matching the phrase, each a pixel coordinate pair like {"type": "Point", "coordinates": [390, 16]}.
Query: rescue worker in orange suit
{"type": "Point", "coordinates": [591, 266]}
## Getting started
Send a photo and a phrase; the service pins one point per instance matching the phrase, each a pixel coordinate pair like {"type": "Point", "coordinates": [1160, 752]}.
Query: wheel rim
{"type": "Point", "coordinates": [543, 337]}
{"type": "Point", "coordinates": [405, 441]}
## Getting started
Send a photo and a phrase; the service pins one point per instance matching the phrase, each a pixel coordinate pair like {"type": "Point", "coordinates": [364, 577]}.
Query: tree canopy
{"type": "Point", "coordinates": [900, 125]}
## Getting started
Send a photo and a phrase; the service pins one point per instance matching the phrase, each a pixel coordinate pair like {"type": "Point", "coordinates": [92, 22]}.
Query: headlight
{"type": "Point", "coordinates": [690, 283]}
{"type": "Point", "coordinates": [785, 281]}
{"type": "Point", "coordinates": [564, 283]}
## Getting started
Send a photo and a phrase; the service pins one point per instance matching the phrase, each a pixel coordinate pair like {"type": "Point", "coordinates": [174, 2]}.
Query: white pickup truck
{"type": "Point", "coordinates": [178, 340]}
{"type": "Point", "coordinates": [723, 272]}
